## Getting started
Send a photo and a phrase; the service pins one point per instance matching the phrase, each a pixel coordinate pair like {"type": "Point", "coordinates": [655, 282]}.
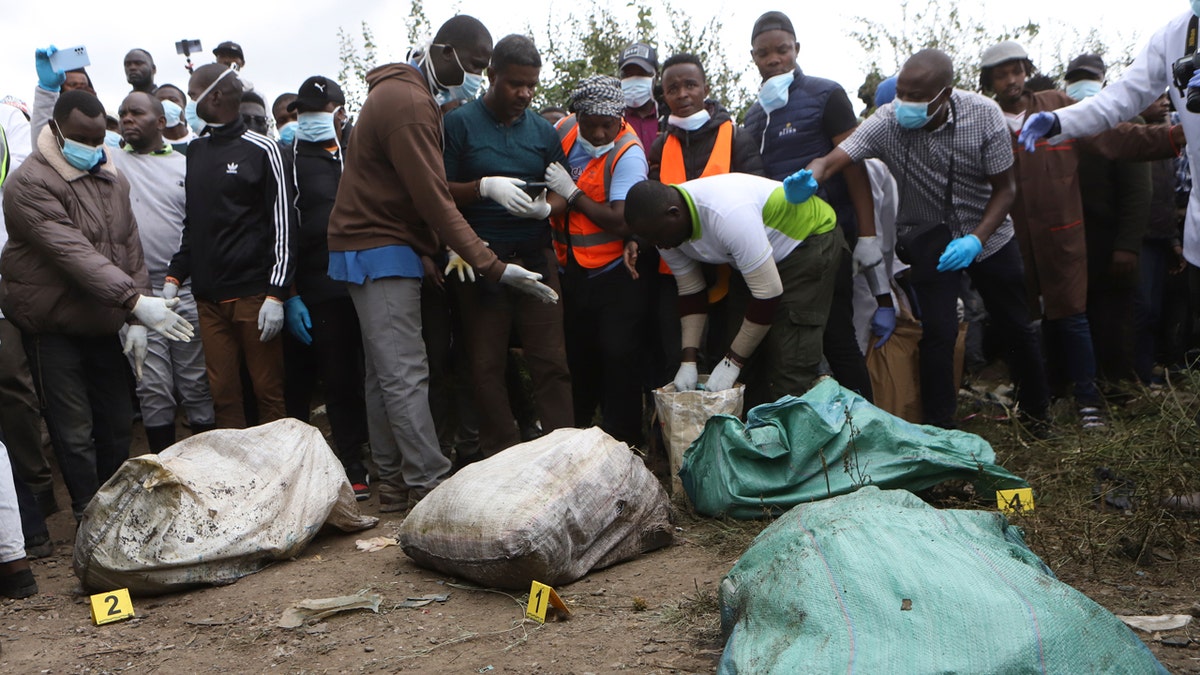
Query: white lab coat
{"type": "Point", "coordinates": [1137, 88]}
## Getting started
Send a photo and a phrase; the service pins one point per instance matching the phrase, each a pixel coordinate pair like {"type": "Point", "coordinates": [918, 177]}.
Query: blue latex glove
{"type": "Point", "coordinates": [883, 324]}
{"type": "Point", "coordinates": [798, 187]}
{"type": "Point", "coordinates": [1038, 126]}
{"type": "Point", "coordinates": [1195, 81]}
{"type": "Point", "coordinates": [48, 78]}
{"type": "Point", "coordinates": [297, 319]}
{"type": "Point", "coordinates": [960, 253]}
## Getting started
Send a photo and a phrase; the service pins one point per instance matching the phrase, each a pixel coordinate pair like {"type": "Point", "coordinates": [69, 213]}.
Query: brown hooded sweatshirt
{"type": "Point", "coordinates": [393, 189]}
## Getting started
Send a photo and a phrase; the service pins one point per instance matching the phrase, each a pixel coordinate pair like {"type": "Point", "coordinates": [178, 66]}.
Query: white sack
{"type": "Point", "coordinates": [683, 415]}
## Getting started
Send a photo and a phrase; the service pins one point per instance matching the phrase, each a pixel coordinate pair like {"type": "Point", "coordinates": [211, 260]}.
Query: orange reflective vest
{"type": "Point", "coordinates": [673, 172]}
{"type": "Point", "coordinates": [591, 246]}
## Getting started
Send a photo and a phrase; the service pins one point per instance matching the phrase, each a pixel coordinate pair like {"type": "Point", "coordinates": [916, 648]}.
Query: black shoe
{"type": "Point", "coordinates": [19, 584]}
{"type": "Point", "coordinates": [38, 547]}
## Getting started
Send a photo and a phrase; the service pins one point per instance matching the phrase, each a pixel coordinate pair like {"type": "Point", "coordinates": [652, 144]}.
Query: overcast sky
{"type": "Point", "coordinates": [286, 42]}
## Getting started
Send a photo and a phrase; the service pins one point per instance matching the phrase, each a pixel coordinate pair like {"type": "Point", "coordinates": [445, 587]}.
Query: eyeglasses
{"type": "Point", "coordinates": [254, 119]}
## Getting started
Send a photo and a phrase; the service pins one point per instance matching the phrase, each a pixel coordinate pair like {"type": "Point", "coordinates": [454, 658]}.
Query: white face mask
{"type": "Point", "coordinates": [691, 122]}
{"type": "Point", "coordinates": [594, 151]}
{"type": "Point", "coordinates": [232, 69]}
{"type": "Point", "coordinates": [637, 90]}
{"type": "Point", "coordinates": [774, 92]}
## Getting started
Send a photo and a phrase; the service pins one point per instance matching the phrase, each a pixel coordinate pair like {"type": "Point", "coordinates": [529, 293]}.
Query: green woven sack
{"type": "Point", "coordinates": [829, 442]}
{"type": "Point", "coordinates": [881, 582]}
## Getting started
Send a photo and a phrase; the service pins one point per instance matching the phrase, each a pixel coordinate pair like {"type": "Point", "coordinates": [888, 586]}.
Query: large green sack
{"type": "Point", "coordinates": [829, 442]}
{"type": "Point", "coordinates": [880, 582]}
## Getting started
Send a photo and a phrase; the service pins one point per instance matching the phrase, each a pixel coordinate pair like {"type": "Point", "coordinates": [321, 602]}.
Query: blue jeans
{"type": "Point", "coordinates": [84, 385]}
{"type": "Point", "coordinates": [1070, 338]}
{"type": "Point", "coordinates": [1000, 281]}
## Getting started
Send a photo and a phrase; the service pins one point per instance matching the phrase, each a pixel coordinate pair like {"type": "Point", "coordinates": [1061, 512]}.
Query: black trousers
{"type": "Point", "coordinates": [603, 324]}
{"type": "Point", "coordinates": [840, 343]}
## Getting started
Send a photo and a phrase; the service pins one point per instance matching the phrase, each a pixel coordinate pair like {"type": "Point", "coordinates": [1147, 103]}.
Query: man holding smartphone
{"type": "Point", "coordinates": [494, 135]}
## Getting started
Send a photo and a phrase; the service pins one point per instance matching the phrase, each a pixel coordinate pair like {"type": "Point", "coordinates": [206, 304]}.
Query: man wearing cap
{"type": "Point", "coordinates": [230, 53]}
{"type": "Point", "coordinates": [238, 248]}
{"type": "Point", "coordinates": [932, 131]}
{"type": "Point", "coordinates": [393, 212]}
{"type": "Point", "coordinates": [638, 69]}
{"type": "Point", "coordinates": [796, 119]}
{"type": "Point", "coordinates": [605, 304]}
{"type": "Point", "coordinates": [323, 341]}
{"type": "Point", "coordinates": [1049, 217]}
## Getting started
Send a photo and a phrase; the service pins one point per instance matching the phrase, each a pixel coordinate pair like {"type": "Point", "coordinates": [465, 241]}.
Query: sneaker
{"type": "Point", "coordinates": [392, 498]}
{"type": "Point", "coordinates": [362, 491]}
{"type": "Point", "coordinates": [1091, 417]}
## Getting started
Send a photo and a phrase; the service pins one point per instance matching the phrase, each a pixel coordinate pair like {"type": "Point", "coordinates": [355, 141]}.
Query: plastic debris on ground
{"type": "Point", "coordinates": [375, 543]}
{"type": "Point", "coordinates": [881, 582]}
{"type": "Point", "coordinates": [1155, 624]}
{"type": "Point", "coordinates": [309, 611]}
{"type": "Point", "coordinates": [829, 442]}
{"type": "Point", "coordinates": [213, 508]}
{"type": "Point", "coordinates": [549, 510]}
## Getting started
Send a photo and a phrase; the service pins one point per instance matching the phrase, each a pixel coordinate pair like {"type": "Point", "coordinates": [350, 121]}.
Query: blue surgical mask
{"type": "Point", "coordinates": [774, 92]}
{"type": "Point", "coordinates": [287, 133]}
{"type": "Point", "coordinates": [637, 90]}
{"type": "Point", "coordinates": [193, 119]}
{"type": "Point", "coordinates": [112, 139]}
{"type": "Point", "coordinates": [172, 112]}
{"type": "Point", "coordinates": [469, 89]}
{"type": "Point", "coordinates": [315, 126]}
{"type": "Point", "coordinates": [1196, 7]}
{"type": "Point", "coordinates": [1083, 89]}
{"type": "Point", "coordinates": [594, 151]}
{"type": "Point", "coordinates": [914, 114]}
{"type": "Point", "coordinates": [691, 122]}
{"type": "Point", "coordinates": [78, 155]}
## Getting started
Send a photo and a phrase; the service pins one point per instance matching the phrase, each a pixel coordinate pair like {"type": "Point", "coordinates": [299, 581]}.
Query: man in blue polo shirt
{"type": "Point", "coordinates": [494, 145]}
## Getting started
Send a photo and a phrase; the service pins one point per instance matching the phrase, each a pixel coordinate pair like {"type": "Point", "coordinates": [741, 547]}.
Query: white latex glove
{"type": "Point", "coordinates": [170, 291]}
{"type": "Point", "coordinates": [136, 344]}
{"type": "Point", "coordinates": [686, 378]}
{"type": "Point", "coordinates": [270, 319]}
{"type": "Point", "coordinates": [456, 264]}
{"type": "Point", "coordinates": [867, 254]}
{"type": "Point", "coordinates": [506, 192]}
{"type": "Point", "coordinates": [559, 180]}
{"type": "Point", "coordinates": [724, 376]}
{"type": "Point", "coordinates": [530, 282]}
{"type": "Point", "coordinates": [538, 209]}
{"type": "Point", "coordinates": [155, 314]}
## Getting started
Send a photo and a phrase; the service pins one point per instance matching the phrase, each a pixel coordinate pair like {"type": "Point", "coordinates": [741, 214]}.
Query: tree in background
{"type": "Point", "coordinates": [360, 55]}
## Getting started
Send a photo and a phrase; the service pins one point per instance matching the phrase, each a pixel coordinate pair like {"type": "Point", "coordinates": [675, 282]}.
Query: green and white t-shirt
{"type": "Point", "coordinates": [742, 220]}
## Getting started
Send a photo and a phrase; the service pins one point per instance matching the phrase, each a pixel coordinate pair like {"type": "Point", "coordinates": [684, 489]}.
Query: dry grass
{"type": "Point", "coordinates": [698, 615]}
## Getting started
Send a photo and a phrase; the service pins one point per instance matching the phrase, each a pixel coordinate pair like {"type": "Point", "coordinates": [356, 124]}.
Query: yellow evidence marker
{"type": "Point", "coordinates": [1009, 501]}
{"type": "Point", "coordinates": [111, 606]}
{"type": "Point", "coordinates": [541, 598]}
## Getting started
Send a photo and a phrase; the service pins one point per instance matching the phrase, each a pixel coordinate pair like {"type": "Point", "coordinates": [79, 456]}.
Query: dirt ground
{"type": "Point", "coordinates": [655, 614]}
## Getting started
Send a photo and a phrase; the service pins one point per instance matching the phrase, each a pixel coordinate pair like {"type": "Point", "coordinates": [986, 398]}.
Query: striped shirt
{"type": "Point", "coordinates": [974, 134]}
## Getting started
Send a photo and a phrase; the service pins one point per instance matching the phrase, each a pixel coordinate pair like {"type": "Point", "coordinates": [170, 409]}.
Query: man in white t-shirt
{"type": "Point", "coordinates": [785, 257]}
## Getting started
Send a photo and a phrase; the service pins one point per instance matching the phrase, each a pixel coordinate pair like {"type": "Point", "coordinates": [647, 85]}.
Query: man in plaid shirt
{"type": "Point", "coordinates": [951, 154]}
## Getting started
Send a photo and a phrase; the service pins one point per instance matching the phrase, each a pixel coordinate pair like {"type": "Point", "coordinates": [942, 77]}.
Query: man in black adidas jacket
{"type": "Point", "coordinates": [238, 247]}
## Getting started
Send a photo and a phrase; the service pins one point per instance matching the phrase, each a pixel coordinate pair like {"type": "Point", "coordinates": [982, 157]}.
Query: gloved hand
{"type": "Point", "coordinates": [960, 253]}
{"type": "Point", "coordinates": [1038, 126]}
{"type": "Point", "coordinates": [559, 181]}
{"type": "Point", "coordinates": [155, 314]}
{"type": "Point", "coordinates": [529, 282]}
{"type": "Point", "coordinates": [136, 344]}
{"type": "Point", "coordinates": [798, 187]}
{"type": "Point", "coordinates": [724, 376]}
{"type": "Point", "coordinates": [48, 78]}
{"type": "Point", "coordinates": [538, 209]}
{"type": "Point", "coordinates": [867, 254]}
{"type": "Point", "coordinates": [295, 314]}
{"type": "Point", "coordinates": [1195, 81]}
{"type": "Point", "coordinates": [457, 264]}
{"type": "Point", "coordinates": [506, 192]}
{"type": "Point", "coordinates": [686, 378]}
{"type": "Point", "coordinates": [270, 319]}
{"type": "Point", "coordinates": [883, 324]}
{"type": "Point", "coordinates": [170, 291]}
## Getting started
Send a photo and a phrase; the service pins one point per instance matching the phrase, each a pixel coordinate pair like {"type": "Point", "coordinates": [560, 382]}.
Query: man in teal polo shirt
{"type": "Point", "coordinates": [494, 145]}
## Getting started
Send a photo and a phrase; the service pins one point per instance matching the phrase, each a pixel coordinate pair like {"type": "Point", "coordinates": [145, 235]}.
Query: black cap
{"type": "Point", "coordinates": [316, 93]}
{"type": "Point", "coordinates": [228, 47]}
{"type": "Point", "coordinates": [1087, 63]}
{"type": "Point", "coordinates": [641, 55]}
{"type": "Point", "coordinates": [772, 21]}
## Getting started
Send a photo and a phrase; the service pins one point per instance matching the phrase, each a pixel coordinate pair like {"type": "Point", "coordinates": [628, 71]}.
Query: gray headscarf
{"type": "Point", "coordinates": [598, 95]}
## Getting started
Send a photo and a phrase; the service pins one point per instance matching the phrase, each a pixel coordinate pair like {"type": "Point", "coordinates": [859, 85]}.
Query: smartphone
{"type": "Point", "coordinates": [187, 47]}
{"type": "Point", "coordinates": [534, 188]}
{"type": "Point", "coordinates": [71, 58]}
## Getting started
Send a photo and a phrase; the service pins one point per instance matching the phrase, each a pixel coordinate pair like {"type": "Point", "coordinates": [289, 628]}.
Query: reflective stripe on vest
{"type": "Point", "coordinates": [590, 245]}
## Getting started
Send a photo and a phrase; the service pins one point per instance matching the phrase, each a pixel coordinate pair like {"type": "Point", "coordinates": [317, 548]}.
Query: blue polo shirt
{"type": "Point", "coordinates": [479, 145]}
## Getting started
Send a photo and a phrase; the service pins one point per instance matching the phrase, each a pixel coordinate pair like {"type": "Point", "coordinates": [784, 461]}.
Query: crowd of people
{"type": "Point", "coordinates": [456, 272]}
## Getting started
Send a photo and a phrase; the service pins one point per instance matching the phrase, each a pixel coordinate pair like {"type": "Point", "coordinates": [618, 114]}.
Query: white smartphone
{"type": "Point", "coordinates": [71, 58]}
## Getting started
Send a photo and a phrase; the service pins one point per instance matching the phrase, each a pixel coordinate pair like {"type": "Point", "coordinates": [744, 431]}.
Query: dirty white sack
{"type": "Point", "coordinates": [213, 508]}
{"type": "Point", "coordinates": [549, 510]}
{"type": "Point", "coordinates": [684, 414]}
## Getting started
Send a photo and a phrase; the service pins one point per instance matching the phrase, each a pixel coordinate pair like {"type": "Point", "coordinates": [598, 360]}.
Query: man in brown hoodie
{"type": "Point", "coordinates": [393, 212]}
